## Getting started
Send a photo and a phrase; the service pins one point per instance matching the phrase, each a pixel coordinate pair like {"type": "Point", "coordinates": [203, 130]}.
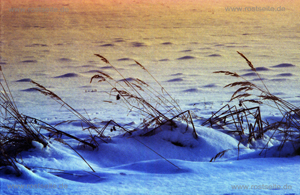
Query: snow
{"type": "Point", "coordinates": [181, 44]}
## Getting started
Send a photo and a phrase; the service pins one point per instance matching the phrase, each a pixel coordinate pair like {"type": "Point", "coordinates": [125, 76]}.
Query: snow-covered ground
{"type": "Point", "coordinates": [181, 44]}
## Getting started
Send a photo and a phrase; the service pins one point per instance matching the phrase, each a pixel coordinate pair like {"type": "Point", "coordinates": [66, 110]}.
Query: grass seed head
{"type": "Point", "coordinates": [102, 58]}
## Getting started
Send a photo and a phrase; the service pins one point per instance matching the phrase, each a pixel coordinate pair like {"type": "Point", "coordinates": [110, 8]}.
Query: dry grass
{"type": "Point", "coordinates": [136, 93]}
{"type": "Point", "coordinates": [285, 130]}
{"type": "Point", "coordinates": [156, 106]}
{"type": "Point", "coordinates": [90, 126]}
{"type": "Point", "coordinates": [18, 131]}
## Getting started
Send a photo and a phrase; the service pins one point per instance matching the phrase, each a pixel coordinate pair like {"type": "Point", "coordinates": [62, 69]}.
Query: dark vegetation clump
{"type": "Point", "coordinates": [18, 131]}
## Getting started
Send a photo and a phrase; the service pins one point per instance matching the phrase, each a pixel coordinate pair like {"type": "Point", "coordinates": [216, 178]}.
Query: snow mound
{"type": "Point", "coordinates": [172, 142]}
